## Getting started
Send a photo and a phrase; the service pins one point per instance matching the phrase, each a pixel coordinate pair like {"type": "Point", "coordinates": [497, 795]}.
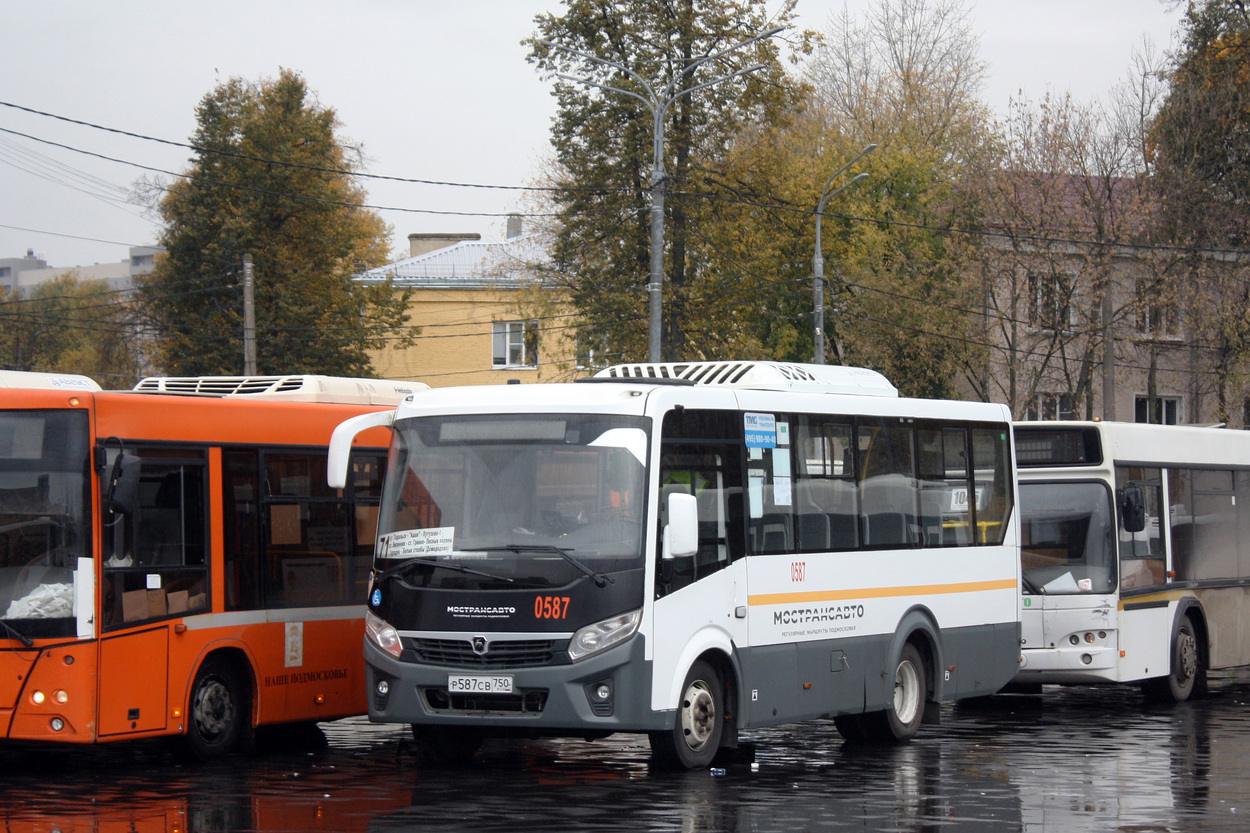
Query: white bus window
{"type": "Point", "coordinates": [825, 497]}
{"type": "Point", "coordinates": [887, 489]}
{"type": "Point", "coordinates": [1181, 519]}
{"type": "Point", "coordinates": [702, 455]}
{"type": "Point", "coordinates": [991, 455]}
{"type": "Point", "coordinates": [1142, 558]}
{"type": "Point", "coordinates": [1243, 522]}
{"type": "Point", "coordinates": [1215, 525]}
{"type": "Point", "coordinates": [946, 495]}
{"type": "Point", "coordinates": [1067, 538]}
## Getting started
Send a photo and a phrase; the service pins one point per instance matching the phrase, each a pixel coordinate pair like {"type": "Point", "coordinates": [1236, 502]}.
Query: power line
{"type": "Point", "coordinates": [340, 171]}
{"type": "Point", "coordinates": [984, 233]}
{"type": "Point", "coordinates": [73, 237]}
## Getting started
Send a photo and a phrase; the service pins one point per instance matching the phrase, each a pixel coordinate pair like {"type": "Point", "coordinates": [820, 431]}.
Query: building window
{"type": "Point", "coordinates": [591, 353]}
{"type": "Point", "coordinates": [1162, 410]}
{"type": "Point", "coordinates": [1156, 317]}
{"type": "Point", "coordinates": [1050, 301]}
{"type": "Point", "coordinates": [514, 344]}
{"type": "Point", "coordinates": [1051, 406]}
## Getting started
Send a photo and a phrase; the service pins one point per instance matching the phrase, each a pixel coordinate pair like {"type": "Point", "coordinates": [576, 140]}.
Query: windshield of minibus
{"type": "Point", "coordinates": [44, 495]}
{"type": "Point", "coordinates": [530, 500]}
{"type": "Point", "coordinates": [1068, 539]}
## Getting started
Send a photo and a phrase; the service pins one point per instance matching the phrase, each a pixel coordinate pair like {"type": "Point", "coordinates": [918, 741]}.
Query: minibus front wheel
{"type": "Point", "coordinates": [695, 738]}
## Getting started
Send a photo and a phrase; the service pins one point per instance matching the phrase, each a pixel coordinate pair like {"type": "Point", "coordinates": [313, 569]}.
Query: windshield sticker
{"type": "Point", "coordinates": [413, 543]}
{"type": "Point", "coordinates": [781, 491]}
{"type": "Point", "coordinates": [761, 430]}
{"type": "Point", "coordinates": [633, 440]}
{"type": "Point", "coordinates": [755, 491]}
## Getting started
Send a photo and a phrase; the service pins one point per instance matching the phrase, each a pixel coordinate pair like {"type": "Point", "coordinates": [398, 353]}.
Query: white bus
{"type": "Point", "coordinates": [688, 550]}
{"type": "Point", "coordinates": [1136, 554]}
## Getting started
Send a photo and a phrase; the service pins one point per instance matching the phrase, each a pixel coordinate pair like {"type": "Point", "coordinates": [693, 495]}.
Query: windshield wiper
{"type": "Point", "coordinates": [601, 578]}
{"type": "Point", "coordinates": [404, 566]}
{"type": "Point", "coordinates": [43, 521]}
{"type": "Point", "coordinates": [20, 637]}
{"type": "Point", "coordinates": [1030, 587]}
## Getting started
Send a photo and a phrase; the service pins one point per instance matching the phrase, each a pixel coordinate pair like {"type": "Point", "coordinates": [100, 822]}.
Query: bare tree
{"type": "Point", "coordinates": [905, 75]}
{"type": "Point", "coordinates": [905, 70]}
{"type": "Point", "coordinates": [1073, 301]}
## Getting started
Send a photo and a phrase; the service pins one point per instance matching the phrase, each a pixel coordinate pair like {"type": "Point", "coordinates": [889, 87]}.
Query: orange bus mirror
{"type": "Point", "coordinates": [123, 485]}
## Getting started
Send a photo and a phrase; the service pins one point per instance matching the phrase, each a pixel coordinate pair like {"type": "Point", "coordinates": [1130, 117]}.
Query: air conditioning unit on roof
{"type": "Point", "coordinates": [750, 375]}
{"type": "Point", "coordinates": [297, 388]}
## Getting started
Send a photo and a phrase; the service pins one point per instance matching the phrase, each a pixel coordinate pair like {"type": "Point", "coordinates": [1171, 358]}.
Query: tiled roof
{"type": "Point", "coordinates": [466, 264]}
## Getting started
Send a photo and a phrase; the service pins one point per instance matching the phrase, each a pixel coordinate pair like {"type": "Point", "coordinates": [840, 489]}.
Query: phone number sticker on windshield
{"type": "Point", "coordinates": [479, 684]}
{"type": "Point", "coordinates": [413, 543]}
{"type": "Point", "coordinates": [551, 607]}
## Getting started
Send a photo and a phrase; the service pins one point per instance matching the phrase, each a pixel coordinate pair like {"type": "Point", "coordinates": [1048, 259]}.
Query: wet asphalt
{"type": "Point", "coordinates": [1074, 759]}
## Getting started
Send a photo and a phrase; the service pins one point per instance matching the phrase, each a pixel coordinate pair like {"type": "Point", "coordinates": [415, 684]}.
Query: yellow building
{"type": "Point", "coordinates": [473, 302]}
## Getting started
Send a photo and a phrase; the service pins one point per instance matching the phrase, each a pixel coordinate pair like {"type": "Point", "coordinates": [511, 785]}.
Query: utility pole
{"type": "Point", "coordinates": [249, 319]}
{"type": "Point", "coordinates": [818, 259]}
{"type": "Point", "coordinates": [657, 103]}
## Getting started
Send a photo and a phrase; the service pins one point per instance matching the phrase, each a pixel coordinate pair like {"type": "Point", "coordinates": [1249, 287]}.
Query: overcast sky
{"type": "Point", "coordinates": [434, 90]}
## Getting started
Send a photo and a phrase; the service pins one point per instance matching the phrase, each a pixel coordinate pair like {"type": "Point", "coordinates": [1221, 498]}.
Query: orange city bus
{"type": "Point", "coordinates": [172, 562]}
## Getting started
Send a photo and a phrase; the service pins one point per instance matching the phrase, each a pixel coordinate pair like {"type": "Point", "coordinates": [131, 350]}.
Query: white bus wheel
{"type": "Point", "coordinates": [693, 741]}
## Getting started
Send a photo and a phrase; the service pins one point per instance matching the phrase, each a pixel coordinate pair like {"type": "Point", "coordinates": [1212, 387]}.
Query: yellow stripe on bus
{"type": "Point", "coordinates": [1164, 596]}
{"type": "Point", "coordinates": [881, 592]}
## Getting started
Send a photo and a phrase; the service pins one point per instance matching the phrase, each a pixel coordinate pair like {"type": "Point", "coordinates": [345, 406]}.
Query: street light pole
{"type": "Point", "coordinates": [818, 259]}
{"type": "Point", "coordinates": [658, 102]}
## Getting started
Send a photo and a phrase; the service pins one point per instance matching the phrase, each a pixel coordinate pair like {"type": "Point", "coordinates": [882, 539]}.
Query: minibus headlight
{"type": "Point", "coordinates": [382, 635]}
{"type": "Point", "coordinates": [603, 635]}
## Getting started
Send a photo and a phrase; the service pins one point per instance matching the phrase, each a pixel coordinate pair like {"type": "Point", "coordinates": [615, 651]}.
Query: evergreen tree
{"type": "Point", "coordinates": [269, 178]}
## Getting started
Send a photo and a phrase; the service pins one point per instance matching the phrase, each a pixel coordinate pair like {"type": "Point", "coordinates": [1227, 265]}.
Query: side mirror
{"type": "Point", "coordinates": [123, 484]}
{"type": "Point", "coordinates": [1132, 501]}
{"type": "Point", "coordinates": [681, 534]}
{"type": "Point", "coordinates": [340, 451]}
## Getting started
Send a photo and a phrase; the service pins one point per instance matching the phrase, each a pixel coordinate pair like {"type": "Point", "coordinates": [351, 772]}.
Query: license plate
{"type": "Point", "coordinates": [479, 684]}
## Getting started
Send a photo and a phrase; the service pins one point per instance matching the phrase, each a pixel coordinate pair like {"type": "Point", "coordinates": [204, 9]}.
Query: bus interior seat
{"type": "Point", "coordinates": [884, 529]}
{"type": "Point", "coordinates": [813, 531]}
{"type": "Point", "coordinates": [773, 533]}
{"type": "Point", "coordinates": [842, 532]}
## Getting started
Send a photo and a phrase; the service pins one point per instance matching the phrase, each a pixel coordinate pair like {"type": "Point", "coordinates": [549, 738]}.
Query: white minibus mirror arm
{"type": "Point", "coordinates": [341, 443]}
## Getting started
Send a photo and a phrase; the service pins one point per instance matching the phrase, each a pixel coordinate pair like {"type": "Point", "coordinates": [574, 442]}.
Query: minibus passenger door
{"type": "Point", "coordinates": [701, 585]}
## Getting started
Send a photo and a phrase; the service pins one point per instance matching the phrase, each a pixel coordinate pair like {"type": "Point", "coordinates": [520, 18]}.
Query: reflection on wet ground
{"type": "Point", "coordinates": [1073, 760]}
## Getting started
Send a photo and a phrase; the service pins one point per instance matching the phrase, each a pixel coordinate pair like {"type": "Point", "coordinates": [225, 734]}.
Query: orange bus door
{"type": "Point", "coordinates": [134, 671]}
